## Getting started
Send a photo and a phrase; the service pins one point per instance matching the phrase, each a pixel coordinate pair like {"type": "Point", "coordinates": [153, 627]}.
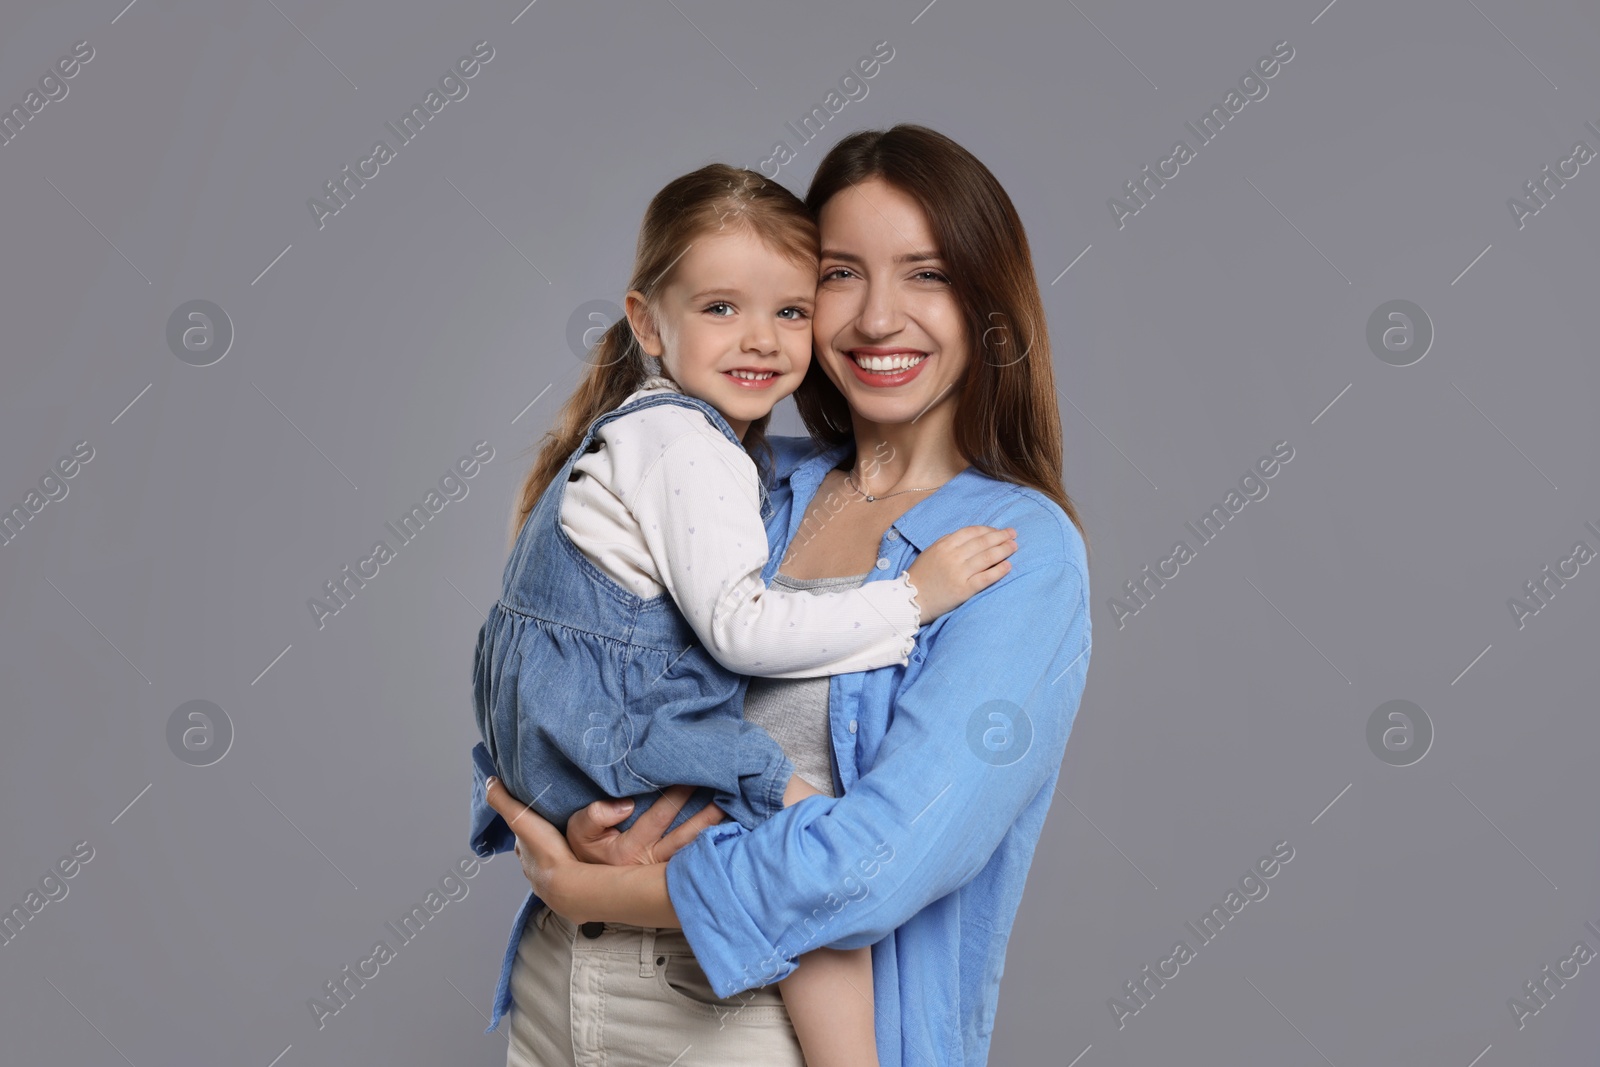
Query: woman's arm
{"type": "Point", "coordinates": [975, 736]}
{"type": "Point", "coordinates": [583, 892]}
{"type": "Point", "coordinates": [592, 838]}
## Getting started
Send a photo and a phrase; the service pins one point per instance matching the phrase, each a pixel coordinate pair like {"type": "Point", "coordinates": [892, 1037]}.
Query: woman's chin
{"type": "Point", "coordinates": [887, 408]}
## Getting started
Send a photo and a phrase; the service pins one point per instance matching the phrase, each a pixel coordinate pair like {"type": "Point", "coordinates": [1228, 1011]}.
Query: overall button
{"type": "Point", "coordinates": [852, 726]}
{"type": "Point", "coordinates": [882, 564]}
{"type": "Point", "coordinates": [894, 535]}
{"type": "Point", "coordinates": [593, 930]}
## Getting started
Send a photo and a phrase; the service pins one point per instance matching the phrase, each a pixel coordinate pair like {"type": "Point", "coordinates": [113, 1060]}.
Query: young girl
{"type": "Point", "coordinates": [633, 604]}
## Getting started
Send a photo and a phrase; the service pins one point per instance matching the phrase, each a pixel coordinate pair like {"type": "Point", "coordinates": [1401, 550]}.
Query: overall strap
{"type": "Point", "coordinates": [592, 443]}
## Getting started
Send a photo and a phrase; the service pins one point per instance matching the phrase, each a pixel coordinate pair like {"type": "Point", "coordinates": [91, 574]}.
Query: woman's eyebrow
{"type": "Point", "coordinates": [908, 257]}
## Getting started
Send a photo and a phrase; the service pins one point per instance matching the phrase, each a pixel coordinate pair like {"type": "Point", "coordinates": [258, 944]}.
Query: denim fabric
{"type": "Point", "coordinates": [584, 690]}
{"type": "Point", "coordinates": [948, 767]}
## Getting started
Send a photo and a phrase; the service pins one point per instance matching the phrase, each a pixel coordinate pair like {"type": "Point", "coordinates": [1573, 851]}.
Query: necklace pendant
{"type": "Point", "coordinates": [870, 498]}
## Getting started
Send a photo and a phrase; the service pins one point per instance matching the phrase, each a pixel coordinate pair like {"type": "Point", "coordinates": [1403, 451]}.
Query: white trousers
{"type": "Point", "coordinates": [634, 997]}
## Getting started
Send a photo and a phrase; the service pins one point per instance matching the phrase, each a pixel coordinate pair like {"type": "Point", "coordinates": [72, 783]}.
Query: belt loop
{"type": "Point", "coordinates": [647, 952]}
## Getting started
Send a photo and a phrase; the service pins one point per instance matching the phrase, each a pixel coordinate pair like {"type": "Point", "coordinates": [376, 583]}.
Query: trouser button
{"type": "Point", "coordinates": [593, 930]}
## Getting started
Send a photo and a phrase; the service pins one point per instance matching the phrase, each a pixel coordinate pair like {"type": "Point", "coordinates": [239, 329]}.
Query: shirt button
{"type": "Point", "coordinates": [852, 726]}
{"type": "Point", "coordinates": [883, 564]}
{"type": "Point", "coordinates": [894, 535]}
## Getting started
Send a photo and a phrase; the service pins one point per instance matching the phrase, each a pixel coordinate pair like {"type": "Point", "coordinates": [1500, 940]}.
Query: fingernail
{"type": "Point", "coordinates": [490, 781]}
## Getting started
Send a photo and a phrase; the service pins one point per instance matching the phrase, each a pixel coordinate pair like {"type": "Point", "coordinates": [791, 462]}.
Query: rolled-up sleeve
{"type": "Point", "coordinates": [975, 734]}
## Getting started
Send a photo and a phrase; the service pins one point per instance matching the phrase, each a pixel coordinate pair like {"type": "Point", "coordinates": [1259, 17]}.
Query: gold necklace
{"type": "Point", "coordinates": [870, 498]}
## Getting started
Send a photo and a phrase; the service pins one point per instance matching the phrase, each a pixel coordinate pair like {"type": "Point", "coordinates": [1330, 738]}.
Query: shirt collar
{"type": "Point", "coordinates": [947, 509]}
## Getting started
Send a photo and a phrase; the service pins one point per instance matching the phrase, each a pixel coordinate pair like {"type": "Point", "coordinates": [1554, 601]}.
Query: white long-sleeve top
{"type": "Point", "coordinates": [669, 503]}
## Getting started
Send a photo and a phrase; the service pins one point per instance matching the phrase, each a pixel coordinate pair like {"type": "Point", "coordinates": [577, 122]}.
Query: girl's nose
{"type": "Point", "coordinates": [762, 338]}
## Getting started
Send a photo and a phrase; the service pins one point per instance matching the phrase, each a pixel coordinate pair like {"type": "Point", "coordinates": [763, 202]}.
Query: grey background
{"type": "Point", "coordinates": [1227, 315]}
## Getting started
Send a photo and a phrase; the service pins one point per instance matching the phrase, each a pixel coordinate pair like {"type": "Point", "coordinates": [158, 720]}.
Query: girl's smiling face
{"type": "Point", "coordinates": [732, 325]}
{"type": "Point", "coordinates": [889, 332]}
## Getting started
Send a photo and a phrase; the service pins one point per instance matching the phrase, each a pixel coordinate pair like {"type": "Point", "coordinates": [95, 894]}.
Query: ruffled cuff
{"type": "Point", "coordinates": [916, 617]}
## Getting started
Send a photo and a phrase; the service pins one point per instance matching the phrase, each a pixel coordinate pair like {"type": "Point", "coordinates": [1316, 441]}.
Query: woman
{"type": "Point", "coordinates": [932, 404]}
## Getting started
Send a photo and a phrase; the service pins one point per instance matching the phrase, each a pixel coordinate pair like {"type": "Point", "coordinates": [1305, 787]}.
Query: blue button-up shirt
{"type": "Point", "coordinates": [947, 767]}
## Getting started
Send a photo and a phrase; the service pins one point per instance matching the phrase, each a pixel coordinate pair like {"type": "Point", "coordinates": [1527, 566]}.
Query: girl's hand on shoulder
{"type": "Point", "coordinates": [594, 838]}
{"type": "Point", "coordinates": [959, 565]}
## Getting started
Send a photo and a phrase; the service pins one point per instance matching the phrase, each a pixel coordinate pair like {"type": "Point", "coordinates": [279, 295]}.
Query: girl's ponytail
{"type": "Point", "coordinates": [616, 367]}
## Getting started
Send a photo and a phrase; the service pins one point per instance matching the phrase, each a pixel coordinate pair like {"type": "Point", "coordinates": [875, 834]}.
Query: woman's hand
{"type": "Point", "coordinates": [592, 892]}
{"type": "Point", "coordinates": [593, 836]}
{"type": "Point", "coordinates": [547, 862]}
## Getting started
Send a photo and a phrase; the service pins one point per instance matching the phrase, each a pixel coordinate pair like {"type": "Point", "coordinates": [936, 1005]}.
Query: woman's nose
{"type": "Point", "coordinates": [881, 314]}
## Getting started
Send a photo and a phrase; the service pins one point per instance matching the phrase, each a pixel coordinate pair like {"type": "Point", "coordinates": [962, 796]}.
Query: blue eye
{"type": "Point", "coordinates": [799, 313]}
{"type": "Point", "coordinates": [931, 275]}
{"type": "Point", "coordinates": [720, 304]}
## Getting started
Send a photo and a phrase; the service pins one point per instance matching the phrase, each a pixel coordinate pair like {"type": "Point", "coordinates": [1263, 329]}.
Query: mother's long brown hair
{"type": "Point", "coordinates": [1007, 424]}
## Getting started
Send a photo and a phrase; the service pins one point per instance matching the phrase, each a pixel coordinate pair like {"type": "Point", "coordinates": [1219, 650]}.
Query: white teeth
{"type": "Point", "coordinates": [889, 363]}
{"type": "Point", "coordinates": [754, 376]}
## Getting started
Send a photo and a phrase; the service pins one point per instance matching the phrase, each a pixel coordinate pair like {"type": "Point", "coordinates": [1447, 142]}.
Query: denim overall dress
{"type": "Point", "coordinates": [584, 690]}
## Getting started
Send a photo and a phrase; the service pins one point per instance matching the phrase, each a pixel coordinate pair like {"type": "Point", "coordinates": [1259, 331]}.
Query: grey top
{"type": "Point", "coordinates": [795, 710]}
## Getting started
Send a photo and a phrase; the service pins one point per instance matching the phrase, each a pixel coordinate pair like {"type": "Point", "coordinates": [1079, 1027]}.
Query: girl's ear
{"type": "Point", "coordinates": [643, 323]}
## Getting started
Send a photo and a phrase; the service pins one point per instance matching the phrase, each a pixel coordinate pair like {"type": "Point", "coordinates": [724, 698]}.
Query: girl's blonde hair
{"type": "Point", "coordinates": [713, 199]}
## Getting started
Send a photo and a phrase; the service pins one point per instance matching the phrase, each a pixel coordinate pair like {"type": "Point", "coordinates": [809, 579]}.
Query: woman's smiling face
{"type": "Point", "coordinates": [888, 330]}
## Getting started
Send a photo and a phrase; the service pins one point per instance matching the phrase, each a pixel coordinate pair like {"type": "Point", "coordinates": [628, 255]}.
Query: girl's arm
{"type": "Point", "coordinates": [698, 509]}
